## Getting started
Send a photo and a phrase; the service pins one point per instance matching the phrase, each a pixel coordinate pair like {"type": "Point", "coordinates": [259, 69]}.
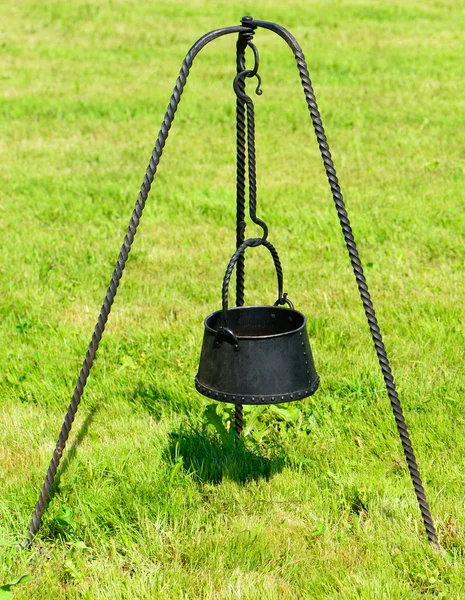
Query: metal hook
{"type": "Point", "coordinates": [239, 89]}
{"type": "Point", "coordinates": [242, 75]}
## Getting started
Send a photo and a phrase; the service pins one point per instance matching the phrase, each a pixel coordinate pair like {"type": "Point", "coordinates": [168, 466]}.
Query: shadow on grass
{"type": "Point", "coordinates": [156, 399]}
{"type": "Point", "coordinates": [71, 453]}
{"type": "Point", "coordinates": [211, 461]}
{"type": "Point", "coordinates": [61, 527]}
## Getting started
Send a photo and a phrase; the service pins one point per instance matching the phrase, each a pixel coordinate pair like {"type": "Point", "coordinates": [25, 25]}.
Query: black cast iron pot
{"type": "Point", "coordinates": [256, 354]}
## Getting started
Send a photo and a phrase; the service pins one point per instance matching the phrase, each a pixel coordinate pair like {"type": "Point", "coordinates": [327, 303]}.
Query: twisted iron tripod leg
{"type": "Point", "coordinates": [118, 273]}
{"type": "Point", "coordinates": [359, 274]}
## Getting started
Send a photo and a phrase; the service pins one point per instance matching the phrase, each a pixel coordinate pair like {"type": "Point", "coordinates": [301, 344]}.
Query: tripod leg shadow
{"type": "Point", "coordinates": [72, 451]}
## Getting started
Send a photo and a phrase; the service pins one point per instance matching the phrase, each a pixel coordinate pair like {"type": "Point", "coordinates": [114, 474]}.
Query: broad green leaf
{"type": "Point", "coordinates": [213, 418]}
{"type": "Point", "coordinates": [5, 590]}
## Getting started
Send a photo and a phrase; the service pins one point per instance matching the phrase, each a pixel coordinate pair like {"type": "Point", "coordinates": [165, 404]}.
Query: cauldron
{"type": "Point", "coordinates": [256, 354]}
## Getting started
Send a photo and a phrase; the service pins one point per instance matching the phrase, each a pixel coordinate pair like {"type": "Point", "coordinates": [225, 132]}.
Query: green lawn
{"type": "Point", "coordinates": [316, 502]}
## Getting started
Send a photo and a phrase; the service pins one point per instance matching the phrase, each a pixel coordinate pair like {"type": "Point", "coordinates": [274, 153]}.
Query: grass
{"type": "Point", "coordinates": [151, 503]}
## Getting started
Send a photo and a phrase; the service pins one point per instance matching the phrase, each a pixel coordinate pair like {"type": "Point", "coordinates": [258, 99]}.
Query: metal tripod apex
{"type": "Point", "coordinates": [245, 31]}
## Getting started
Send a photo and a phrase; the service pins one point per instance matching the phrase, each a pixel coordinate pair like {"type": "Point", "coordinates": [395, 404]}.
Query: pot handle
{"type": "Point", "coordinates": [225, 331]}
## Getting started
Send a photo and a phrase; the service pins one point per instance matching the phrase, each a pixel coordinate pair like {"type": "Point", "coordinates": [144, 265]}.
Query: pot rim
{"type": "Point", "coordinates": [259, 337]}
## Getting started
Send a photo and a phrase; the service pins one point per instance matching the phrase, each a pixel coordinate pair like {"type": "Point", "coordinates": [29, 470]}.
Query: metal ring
{"type": "Point", "coordinates": [226, 334]}
{"type": "Point", "coordinates": [253, 47]}
{"type": "Point", "coordinates": [284, 300]}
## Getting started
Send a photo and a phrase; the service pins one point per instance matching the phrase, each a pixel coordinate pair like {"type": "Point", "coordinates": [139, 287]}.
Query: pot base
{"type": "Point", "coordinates": [257, 399]}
